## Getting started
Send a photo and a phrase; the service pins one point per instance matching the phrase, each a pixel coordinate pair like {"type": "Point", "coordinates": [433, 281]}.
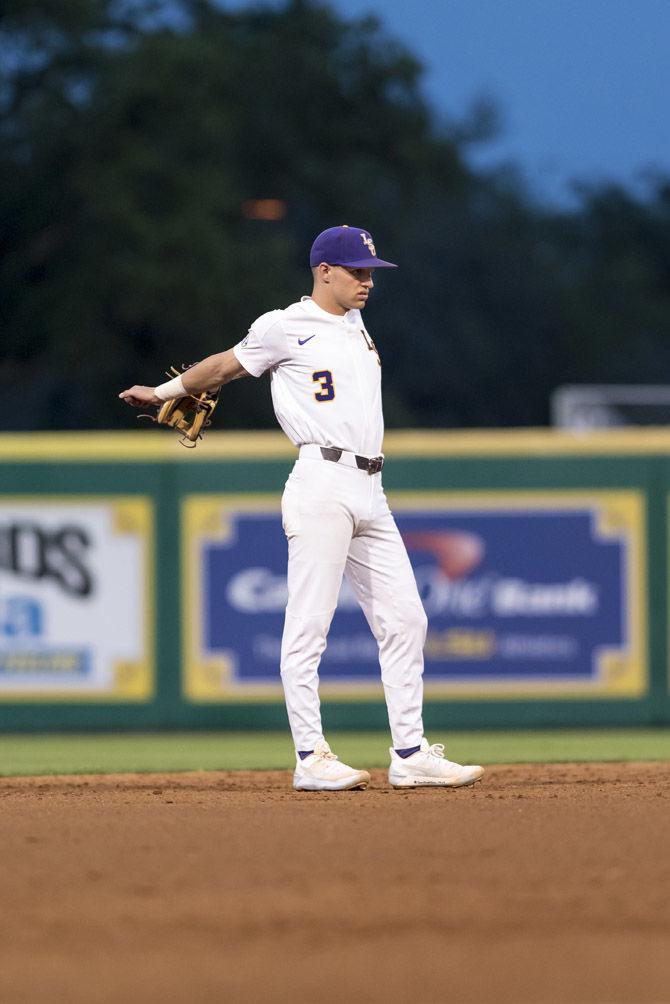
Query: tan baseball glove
{"type": "Point", "coordinates": [189, 415]}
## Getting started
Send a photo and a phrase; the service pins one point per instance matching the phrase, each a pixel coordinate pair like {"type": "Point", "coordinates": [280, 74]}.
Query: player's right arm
{"type": "Point", "coordinates": [209, 374]}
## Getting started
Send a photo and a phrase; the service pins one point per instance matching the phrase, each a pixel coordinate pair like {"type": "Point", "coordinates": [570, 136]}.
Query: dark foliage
{"type": "Point", "coordinates": [132, 134]}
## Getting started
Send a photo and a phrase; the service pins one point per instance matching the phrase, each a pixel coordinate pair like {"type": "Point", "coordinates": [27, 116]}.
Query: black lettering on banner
{"type": "Point", "coordinates": [29, 551]}
{"type": "Point", "coordinates": [66, 553]}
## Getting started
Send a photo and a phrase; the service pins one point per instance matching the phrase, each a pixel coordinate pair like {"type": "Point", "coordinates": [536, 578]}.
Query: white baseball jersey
{"type": "Point", "coordinates": [326, 390]}
{"type": "Point", "coordinates": [326, 375]}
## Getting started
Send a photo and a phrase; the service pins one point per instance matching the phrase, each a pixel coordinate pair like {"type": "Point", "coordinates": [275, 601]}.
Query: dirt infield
{"type": "Point", "coordinates": [543, 883]}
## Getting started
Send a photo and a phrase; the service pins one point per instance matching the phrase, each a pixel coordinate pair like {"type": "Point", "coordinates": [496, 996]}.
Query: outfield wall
{"type": "Point", "coordinates": [142, 584]}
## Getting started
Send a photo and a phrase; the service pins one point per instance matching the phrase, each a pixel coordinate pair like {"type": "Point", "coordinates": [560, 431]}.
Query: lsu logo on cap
{"type": "Point", "coordinates": [369, 245]}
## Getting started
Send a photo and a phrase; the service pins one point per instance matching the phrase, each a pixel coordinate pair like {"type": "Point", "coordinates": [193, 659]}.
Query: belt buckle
{"type": "Point", "coordinates": [375, 465]}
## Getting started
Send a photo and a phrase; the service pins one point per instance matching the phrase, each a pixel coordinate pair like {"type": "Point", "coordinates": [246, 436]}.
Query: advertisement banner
{"type": "Point", "coordinates": [76, 598]}
{"type": "Point", "coordinates": [532, 594]}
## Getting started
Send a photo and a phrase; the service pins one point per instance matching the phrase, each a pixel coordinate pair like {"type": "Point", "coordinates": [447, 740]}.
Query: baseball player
{"type": "Point", "coordinates": [326, 392]}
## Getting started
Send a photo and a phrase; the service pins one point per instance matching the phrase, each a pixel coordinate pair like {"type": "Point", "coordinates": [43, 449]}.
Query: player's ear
{"type": "Point", "coordinates": [322, 272]}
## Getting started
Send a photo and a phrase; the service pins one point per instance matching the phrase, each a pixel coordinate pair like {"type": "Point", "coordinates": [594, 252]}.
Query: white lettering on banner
{"type": "Point", "coordinates": [514, 598]}
{"type": "Point", "coordinates": [518, 646]}
{"type": "Point", "coordinates": [477, 597]}
{"type": "Point", "coordinates": [353, 647]}
{"type": "Point", "coordinates": [260, 590]}
{"type": "Point", "coordinates": [257, 590]}
{"type": "Point", "coordinates": [343, 650]}
{"type": "Point", "coordinates": [460, 597]}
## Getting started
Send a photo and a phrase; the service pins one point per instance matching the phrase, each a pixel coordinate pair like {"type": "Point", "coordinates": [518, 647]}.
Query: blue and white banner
{"type": "Point", "coordinates": [528, 594]}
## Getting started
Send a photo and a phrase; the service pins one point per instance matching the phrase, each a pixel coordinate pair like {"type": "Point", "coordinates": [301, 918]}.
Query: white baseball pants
{"type": "Point", "coordinates": [337, 521]}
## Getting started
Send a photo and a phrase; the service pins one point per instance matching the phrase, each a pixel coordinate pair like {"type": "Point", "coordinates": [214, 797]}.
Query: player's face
{"type": "Point", "coordinates": [350, 286]}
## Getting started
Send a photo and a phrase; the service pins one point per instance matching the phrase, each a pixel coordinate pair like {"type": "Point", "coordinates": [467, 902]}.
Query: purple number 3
{"type": "Point", "coordinates": [326, 391]}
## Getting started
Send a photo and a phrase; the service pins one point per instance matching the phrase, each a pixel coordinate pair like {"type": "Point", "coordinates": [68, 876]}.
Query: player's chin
{"type": "Point", "coordinates": [361, 301]}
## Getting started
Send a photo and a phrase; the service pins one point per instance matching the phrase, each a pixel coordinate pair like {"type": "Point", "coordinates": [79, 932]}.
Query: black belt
{"type": "Point", "coordinates": [372, 465]}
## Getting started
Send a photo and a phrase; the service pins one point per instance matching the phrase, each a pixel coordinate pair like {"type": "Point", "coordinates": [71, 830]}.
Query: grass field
{"type": "Point", "coordinates": [183, 751]}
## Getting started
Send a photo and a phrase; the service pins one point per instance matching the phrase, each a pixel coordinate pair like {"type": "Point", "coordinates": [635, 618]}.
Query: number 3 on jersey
{"type": "Point", "coordinates": [326, 391]}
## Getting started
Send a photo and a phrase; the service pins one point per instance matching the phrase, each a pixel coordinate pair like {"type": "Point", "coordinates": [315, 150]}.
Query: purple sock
{"type": "Point", "coordinates": [303, 754]}
{"type": "Point", "coordinates": [408, 752]}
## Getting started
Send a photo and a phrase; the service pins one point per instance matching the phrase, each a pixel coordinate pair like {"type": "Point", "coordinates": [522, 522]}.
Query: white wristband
{"type": "Point", "coordinates": [171, 389]}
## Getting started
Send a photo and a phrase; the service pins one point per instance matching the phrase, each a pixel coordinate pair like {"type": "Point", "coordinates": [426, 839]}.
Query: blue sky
{"type": "Point", "coordinates": [583, 86]}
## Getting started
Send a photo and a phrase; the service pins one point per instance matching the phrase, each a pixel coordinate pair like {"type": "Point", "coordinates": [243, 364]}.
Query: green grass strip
{"type": "Point", "coordinates": [181, 751]}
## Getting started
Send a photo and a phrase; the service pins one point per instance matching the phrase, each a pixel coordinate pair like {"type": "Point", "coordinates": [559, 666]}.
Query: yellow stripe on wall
{"type": "Point", "coordinates": [143, 445]}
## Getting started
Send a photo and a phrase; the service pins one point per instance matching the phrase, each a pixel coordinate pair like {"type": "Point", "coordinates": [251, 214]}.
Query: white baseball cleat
{"type": "Point", "coordinates": [322, 771]}
{"type": "Point", "coordinates": [428, 767]}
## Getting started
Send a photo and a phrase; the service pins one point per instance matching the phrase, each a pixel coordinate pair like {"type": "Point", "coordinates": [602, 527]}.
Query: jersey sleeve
{"type": "Point", "coordinates": [264, 346]}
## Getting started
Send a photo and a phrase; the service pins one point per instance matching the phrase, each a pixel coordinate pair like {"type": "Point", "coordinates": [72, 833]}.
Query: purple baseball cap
{"type": "Point", "coordinates": [346, 245]}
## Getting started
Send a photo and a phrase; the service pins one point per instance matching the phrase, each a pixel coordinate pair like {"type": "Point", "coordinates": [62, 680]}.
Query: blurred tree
{"type": "Point", "coordinates": [136, 133]}
{"type": "Point", "coordinates": [616, 284]}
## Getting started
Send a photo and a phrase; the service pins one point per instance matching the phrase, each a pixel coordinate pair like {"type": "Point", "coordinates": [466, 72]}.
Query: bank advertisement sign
{"type": "Point", "coordinates": [528, 595]}
{"type": "Point", "coordinates": [76, 607]}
